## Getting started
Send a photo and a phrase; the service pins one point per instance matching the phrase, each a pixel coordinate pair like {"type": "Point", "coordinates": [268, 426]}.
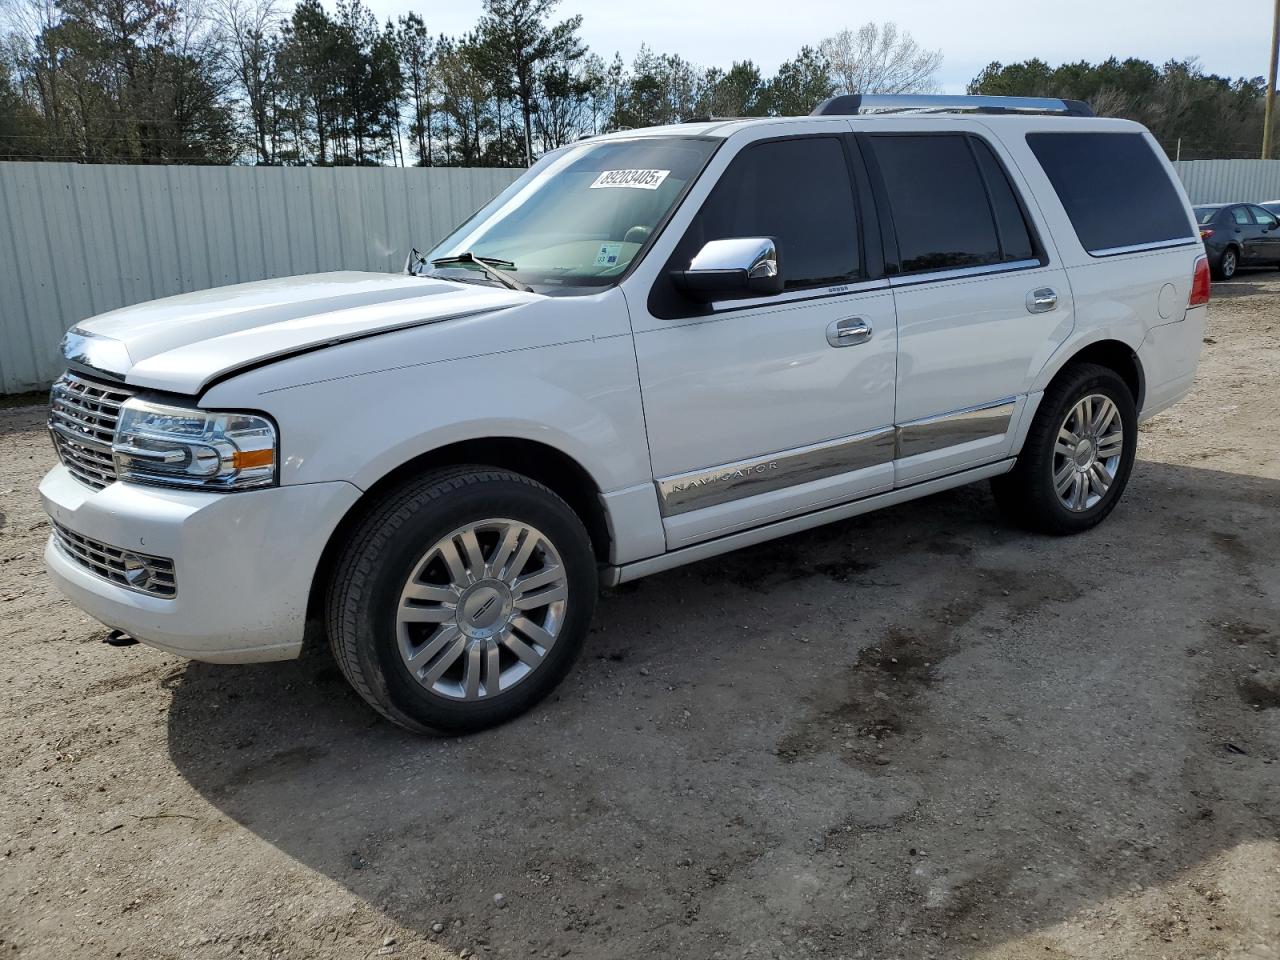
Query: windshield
{"type": "Point", "coordinates": [1205, 214]}
{"type": "Point", "coordinates": [579, 217]}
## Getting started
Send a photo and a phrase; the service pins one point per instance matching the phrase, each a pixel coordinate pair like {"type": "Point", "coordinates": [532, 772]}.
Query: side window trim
{"type": "Point", "coordinates": [888, 236]}
{"type": "Point", "coordinates": [1038, 249]}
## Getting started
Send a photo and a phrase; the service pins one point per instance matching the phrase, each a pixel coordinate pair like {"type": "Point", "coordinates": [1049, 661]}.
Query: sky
{"type": "Point", "coordinates": [971, 34]}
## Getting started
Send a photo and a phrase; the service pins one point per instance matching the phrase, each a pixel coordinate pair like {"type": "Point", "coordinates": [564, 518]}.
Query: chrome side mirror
{"type": "Point", "coordinates": [727, 269]}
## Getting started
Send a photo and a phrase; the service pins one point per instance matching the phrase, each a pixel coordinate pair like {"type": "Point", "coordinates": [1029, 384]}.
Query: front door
{"type": "Point", "coordinates": [1269, 235]}
{"type": "Point", "coordinates": [1253, 242]}
{"type": "Point", "coordinates": [761, 408]}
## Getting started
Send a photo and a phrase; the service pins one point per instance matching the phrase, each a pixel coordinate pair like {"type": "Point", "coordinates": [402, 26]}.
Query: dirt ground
{"type": "Point", "coordinates": [914, 734]}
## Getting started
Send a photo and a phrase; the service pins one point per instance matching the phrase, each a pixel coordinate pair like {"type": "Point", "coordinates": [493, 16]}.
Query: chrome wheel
{"type": "Point", "coordinates": [482, 609]}
{"type": "Point", "coordinates": [1087, 453]}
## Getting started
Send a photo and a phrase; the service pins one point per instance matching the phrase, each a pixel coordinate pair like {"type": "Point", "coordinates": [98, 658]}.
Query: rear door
{"type": "Point", "coordinates": [980, 304]}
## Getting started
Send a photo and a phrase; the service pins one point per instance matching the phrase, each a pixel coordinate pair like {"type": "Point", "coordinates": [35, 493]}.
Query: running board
{"type": "Point", "coordinates": [612, 576]}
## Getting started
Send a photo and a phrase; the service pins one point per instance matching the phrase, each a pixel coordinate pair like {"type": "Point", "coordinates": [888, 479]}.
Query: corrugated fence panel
{"type": "Point", "coordinates": [1227, 181]}
{"type": "Point", "coordinates": [80, 239]}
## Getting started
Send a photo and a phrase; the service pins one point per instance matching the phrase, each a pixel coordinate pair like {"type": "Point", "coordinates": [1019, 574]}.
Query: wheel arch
{"type": "Point", "coordinates": [1107, 352]}
{"type": "Point", "coordinates": [548, 465]}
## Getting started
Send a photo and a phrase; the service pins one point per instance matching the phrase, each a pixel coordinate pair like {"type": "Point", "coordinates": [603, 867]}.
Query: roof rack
{"type": "Point", "coordinates": [862, 103]}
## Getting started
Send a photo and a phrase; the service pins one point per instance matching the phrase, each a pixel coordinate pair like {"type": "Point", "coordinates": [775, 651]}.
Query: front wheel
{"type": "Point", "coordinates": [1078, 454]}
{"type": "Point", "coordinates": [462, 599]}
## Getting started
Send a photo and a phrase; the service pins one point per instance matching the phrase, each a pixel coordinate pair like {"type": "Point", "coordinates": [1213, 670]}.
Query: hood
{"type": "Point", "coordinates": [183, 343]}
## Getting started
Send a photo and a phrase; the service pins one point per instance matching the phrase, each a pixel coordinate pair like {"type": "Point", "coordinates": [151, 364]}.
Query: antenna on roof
{"type": "Point", "coordinates": [863, 103]}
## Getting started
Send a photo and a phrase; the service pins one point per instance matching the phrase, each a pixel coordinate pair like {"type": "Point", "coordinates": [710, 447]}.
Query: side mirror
{"type": "Point", "coordinates": [728, 269]}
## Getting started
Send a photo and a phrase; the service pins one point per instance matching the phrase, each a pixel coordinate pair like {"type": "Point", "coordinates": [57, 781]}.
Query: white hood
{"type": "Point", "coordinates": [182, 343]}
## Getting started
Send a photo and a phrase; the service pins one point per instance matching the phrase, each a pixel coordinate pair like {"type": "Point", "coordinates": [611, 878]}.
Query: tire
{"type": "Point", "coordinates": [1032, 493]}
{"type": "Point", "coordinates": [1227, 264]}
{"type": "Point", "coordinates": [481, 567]}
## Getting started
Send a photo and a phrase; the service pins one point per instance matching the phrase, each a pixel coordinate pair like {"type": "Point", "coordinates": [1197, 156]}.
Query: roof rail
{"type": "Point", "coordinates": [862, 103]}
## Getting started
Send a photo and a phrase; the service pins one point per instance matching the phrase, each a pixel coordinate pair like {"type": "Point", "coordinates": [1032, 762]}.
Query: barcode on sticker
{"type": "Point", "coordinates": [639, 179]}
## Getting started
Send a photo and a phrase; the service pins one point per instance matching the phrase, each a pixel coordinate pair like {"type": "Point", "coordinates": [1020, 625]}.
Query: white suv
{"type": "Point", "coordinates": [654, 347]}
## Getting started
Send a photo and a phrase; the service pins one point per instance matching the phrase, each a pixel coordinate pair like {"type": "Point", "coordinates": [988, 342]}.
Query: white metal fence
{"type": "Point", "coordinates": [76, 240]}
{"type": "Point", "coordinates": [1226, 181]}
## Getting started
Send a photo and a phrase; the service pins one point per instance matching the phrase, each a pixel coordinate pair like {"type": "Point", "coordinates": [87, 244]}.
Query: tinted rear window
{"type": "Point", "coordinates": [952, 204]}
{"type": "Point", "coordinates": [1114, 188]}
{"type": "Point", "coordinates": [1205, 214]}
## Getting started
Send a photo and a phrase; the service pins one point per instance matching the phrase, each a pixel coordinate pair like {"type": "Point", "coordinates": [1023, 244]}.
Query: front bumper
{"type": "Point", "coordinates": [243, 562]}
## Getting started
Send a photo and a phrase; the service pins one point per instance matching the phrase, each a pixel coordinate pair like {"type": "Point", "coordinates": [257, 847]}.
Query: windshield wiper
{"type": "Point", "coordinates": [489, 265]}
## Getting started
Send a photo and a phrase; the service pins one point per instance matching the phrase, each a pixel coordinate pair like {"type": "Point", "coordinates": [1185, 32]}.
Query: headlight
{"type": "Point", "coordinates": [185, 447]}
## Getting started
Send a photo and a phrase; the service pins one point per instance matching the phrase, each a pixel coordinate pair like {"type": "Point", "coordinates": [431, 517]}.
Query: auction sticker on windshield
{"type": "Point", "coordinates": [638, 179]}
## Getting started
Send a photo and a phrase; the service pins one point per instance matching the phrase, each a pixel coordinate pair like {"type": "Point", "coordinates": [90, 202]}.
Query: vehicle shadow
{"type": "Point", "coordinates": [916, 731]}
{"type": "Point", "coordinates": [1247, 282]}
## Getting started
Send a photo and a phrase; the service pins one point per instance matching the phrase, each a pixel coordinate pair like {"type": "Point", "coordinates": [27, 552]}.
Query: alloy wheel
{"type": "Point", "coordinates": [1086, 454]}
{"type": "Point", "coordinates": [1228, 264]}
{"type": "Point", "coordinates": [482, 609]}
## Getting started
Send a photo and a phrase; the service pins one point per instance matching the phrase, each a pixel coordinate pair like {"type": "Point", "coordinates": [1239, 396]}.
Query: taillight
{"type": "Point", "coordinates": [1200, 283]}
{"type": "Point", "coordinates": [1206, 233]}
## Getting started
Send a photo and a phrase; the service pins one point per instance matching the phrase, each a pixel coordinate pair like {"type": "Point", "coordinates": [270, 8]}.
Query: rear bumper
{"type": "Point", "coordinates": [243, 562]}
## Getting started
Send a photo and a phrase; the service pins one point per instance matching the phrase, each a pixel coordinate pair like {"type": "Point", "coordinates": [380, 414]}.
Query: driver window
{"type": "Point", "coordinates": [796, 191]}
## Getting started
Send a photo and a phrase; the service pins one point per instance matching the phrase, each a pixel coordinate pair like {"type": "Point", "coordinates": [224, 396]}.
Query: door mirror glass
{"type": "Point", "coordinates": [732, 268]}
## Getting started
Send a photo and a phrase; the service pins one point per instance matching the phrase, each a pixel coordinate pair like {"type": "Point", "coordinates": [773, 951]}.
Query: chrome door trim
{"type": "Point", "coordinates": [792, 296]}
{"type": "Point", "coordinates": [908, 279]}
{"type": "Point", "coordinates": [954, 427]}
{"type": "Point", "coordinates": [732, 481]}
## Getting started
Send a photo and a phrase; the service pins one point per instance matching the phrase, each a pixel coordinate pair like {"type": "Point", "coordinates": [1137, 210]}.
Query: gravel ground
{"type": "Point", "coordinates": [914, 734]}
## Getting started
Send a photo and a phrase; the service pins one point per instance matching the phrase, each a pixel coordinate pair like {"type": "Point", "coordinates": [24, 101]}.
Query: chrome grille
{"type": "Point", "coordinates": [134, 571]}
{"type": "Point", "coordinates": [82, 419]}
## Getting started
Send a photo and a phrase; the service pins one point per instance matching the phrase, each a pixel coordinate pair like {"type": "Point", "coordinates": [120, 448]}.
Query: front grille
{"type": "Point", "coordinates": [82, 419]}
{"type": "Point", "coordinates": [135, 571]}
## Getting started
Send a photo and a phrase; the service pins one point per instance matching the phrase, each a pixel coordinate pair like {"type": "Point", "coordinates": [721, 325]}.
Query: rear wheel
{"type": "Point", "coordinates": [1078, 454]}
{"type": "Point", "coordinates": [462, 600]}
{"type": "Point", "coordinates": [1227, 264]}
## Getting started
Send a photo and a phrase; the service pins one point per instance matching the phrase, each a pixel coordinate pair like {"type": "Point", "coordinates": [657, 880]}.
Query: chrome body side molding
{"type": "Point", "coordinates": [955, 427]}
{"type": "Point", "coordinates": [612, 576]}
{"type": "Point", "coordinates": [697, 489]}
{"type": "Point", "coordinates": [731, 481]}
{"type": "Point", "coordinates": [1141, 247]}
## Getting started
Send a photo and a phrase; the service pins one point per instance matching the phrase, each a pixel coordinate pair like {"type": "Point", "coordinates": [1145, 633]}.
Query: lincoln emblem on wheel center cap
{"type": "Point", "coordinates": [484, 608]}
{"type": "Point", "coordinates": [1084, 452]}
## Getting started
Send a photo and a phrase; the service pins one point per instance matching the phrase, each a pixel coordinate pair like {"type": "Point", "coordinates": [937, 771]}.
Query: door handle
{"type": "Point", "coordinates": [848, 332]}
{"type": "Point", "coordinates": [1042, 300]}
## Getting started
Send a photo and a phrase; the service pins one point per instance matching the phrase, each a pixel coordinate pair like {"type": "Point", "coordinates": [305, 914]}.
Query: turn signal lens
{"type": "Point", "coordinates": [1200, 283]}
{"type": "Point", "coordinates": [244, 459]}
{"type": "Point", "coordinates": [1206, 234]}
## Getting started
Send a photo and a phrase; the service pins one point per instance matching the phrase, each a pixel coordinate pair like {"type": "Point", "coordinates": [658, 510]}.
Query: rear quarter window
{"type": "Point", "coordinates": [1114, 188]}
